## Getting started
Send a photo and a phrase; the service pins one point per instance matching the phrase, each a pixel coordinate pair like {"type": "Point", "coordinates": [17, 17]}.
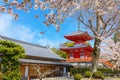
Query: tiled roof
{"type": "Point", "coordinates": [35, 50]}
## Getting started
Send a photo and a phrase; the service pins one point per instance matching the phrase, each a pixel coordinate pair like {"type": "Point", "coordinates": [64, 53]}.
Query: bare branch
{"type": "Point", "coordinates": [101, 18]}
{"type": "Point", "coordinates": [92, 28]}
{"type": "Point", "coordinates": [112, 18]}
{"type": "Point", "coordinates": [83, 22]}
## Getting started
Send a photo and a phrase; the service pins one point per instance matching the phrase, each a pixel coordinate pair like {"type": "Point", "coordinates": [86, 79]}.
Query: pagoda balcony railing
{"type": "Point", "coordinates": [79, 60]}
{"type": "Point", "coordinates": [103, 61]}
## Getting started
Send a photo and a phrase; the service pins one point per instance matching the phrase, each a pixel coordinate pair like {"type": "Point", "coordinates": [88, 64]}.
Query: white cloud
{"type": "Point", "coordinates": [9, 28]}
{"type": "Point", "coordinates": [50, 43]}
{"type": "Point", "coordinates": [17, 31]}
{"type": "Point", "coordinates": [5, 22]}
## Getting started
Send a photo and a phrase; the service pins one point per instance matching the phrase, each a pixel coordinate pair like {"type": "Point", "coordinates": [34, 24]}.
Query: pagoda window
{"type": "Point", "coordinates": [71, 55]}
{"type": "Point", "coordinates": [82, 55]}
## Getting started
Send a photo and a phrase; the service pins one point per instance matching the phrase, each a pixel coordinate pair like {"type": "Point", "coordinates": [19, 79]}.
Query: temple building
{"type": "Point", "coordinates": [39, 61]}
{"type": "Point", "coordinates": [80, 54]}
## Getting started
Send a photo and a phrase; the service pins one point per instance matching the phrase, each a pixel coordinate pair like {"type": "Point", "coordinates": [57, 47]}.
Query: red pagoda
{"type": "Point", "coordinates": [80, 53]}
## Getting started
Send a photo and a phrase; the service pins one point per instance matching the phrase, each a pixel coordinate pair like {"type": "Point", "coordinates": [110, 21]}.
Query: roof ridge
{"type": "Point", "coordinates": [8, 38]}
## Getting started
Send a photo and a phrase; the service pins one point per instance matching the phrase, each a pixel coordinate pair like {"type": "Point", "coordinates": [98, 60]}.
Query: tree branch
{"type": "Point", "coordinates": [91, 27]}
{"type": "Point", "coordinates": [112, 18]}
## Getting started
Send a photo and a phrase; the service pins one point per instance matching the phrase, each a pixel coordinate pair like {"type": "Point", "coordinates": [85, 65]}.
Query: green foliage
{"type": "Point", "coordinates": [109, 71]}
{"type": "Point", "coordinates": [87, 74]}
{"type": "Point", "coordinates": [98, 75]}
{"type": "Point", "coordinates": [77, 76]}
{"type": "Point", "coordinates": [60, 53]}
{"type": "Point", "coordinates": [1, 76]}
{"type": "Point", "coordinates": [87, 43]}
{"type": "Point", "coordinates": [11, 52]}
{"type": "Point", "coordinates": [105, 71]}
{"type": "Point", "coordinates": [78, 70]}
{"type": "Point", "coordinates": [69, 44]}
{"type": "Point", "coordinates": [115, 72]}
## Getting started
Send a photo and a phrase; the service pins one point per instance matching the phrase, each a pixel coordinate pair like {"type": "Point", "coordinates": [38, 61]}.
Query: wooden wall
{"type": "Point", "coordinates": [45, 69]}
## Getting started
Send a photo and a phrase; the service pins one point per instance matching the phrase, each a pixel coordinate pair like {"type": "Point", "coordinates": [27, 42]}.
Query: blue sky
{"type": "Point", "coordinates": [27, 28]}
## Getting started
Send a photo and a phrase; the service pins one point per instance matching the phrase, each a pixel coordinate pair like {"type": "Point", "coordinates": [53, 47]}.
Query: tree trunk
{"type": "Point", "coordinates": [95, 55]}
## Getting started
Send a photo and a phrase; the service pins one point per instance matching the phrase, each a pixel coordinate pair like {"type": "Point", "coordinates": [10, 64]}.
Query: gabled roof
{"type": "Point", "coordinates": [34, 49]}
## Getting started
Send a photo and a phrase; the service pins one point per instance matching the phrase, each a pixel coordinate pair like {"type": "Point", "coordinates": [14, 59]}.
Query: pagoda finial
{"type": "Point", "coordinates": [78, 25]}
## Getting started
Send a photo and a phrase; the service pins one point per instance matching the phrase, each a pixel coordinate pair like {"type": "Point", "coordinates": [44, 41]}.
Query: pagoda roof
{"type": "Point", "coordinates": [78, 35]}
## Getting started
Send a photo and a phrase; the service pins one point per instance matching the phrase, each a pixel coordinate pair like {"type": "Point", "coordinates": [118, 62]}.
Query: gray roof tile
{"type": "Point", "coordinates": [35, 50]}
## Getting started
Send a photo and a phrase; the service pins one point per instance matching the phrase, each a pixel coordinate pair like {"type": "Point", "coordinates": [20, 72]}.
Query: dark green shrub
{"type": "Point", "coordinates": [78, 70]}
{"type": "Point", "coordinates": [87, 74]}
{"type": "Point", "coordinates": [109, 72]}
{"type": "Point", "coordinates": [102, 77]}
{"type": "Point", "coordinates": [105, 71]}
{"type": "Point", "coordinates": [77, 76]}
{"type": "Point", "coordinates": [98, 74]}
{"type": "Point", "coordinates": [1, 76]}
{"type": "Point", "coordinates": [70, 74]}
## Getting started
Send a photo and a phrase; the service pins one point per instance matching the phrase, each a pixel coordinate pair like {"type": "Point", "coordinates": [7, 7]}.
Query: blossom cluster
{"type": "Point", "coordinates": [60, 9]}
{"type": "Point", "coordinates": [111, 51]}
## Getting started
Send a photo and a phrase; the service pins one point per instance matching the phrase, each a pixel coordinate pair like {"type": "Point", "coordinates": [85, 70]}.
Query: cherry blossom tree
{"type": "Point", "coordinates": [111, 51]}
{"type": "Point", "coordinates": [102, 17]}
